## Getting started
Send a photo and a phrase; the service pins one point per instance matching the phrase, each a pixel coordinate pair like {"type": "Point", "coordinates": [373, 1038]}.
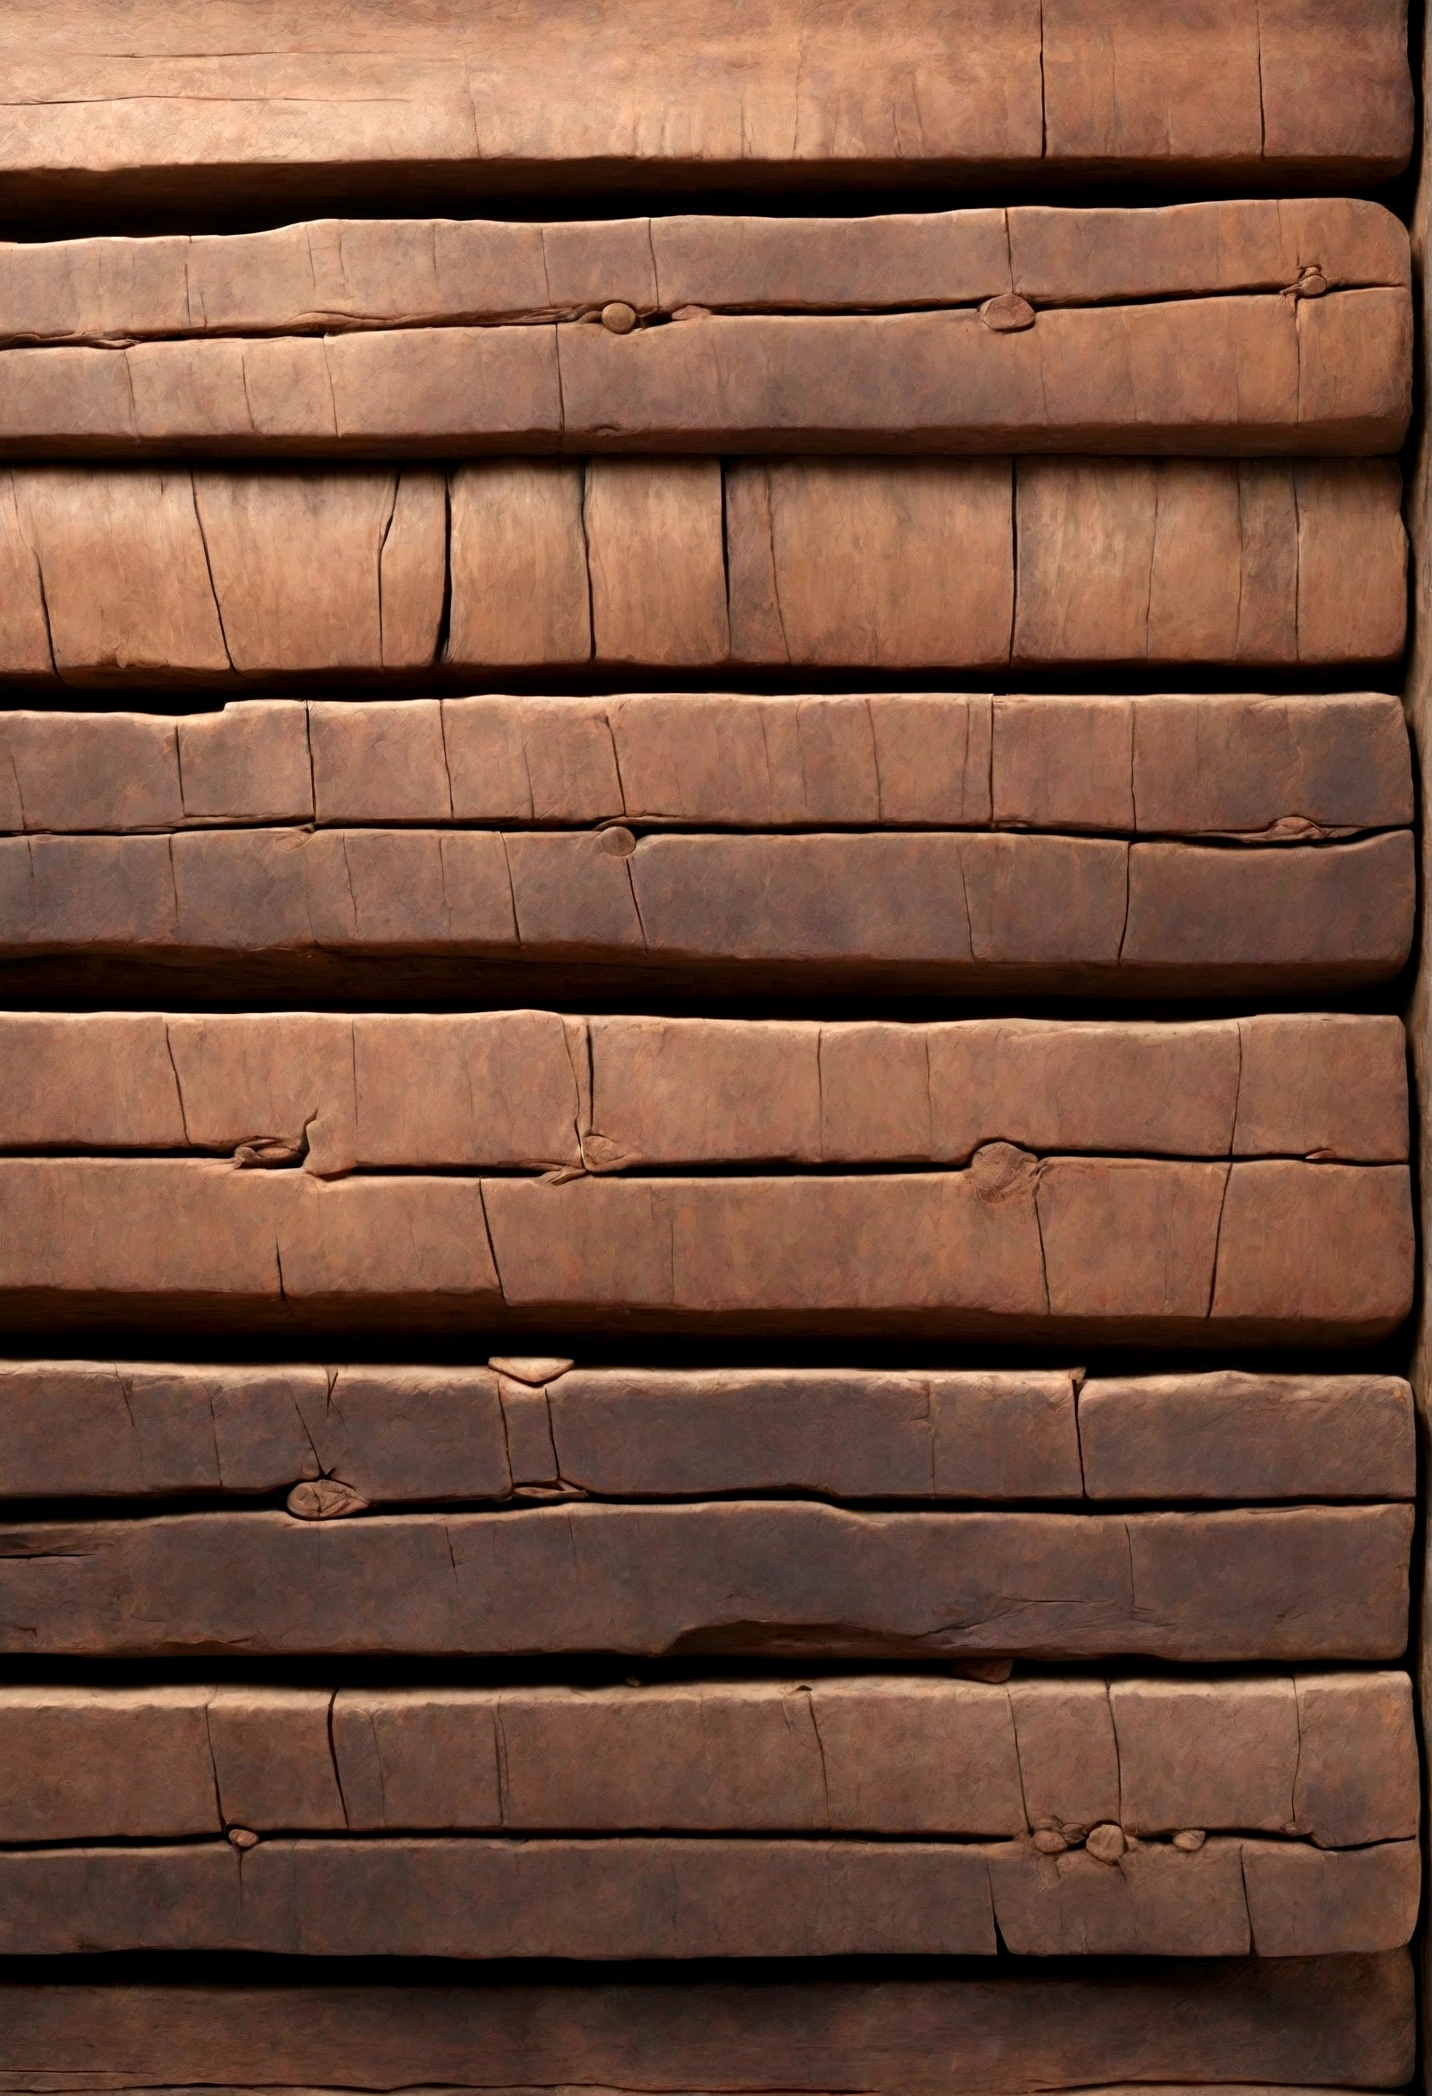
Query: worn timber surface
{"type": "Point", "coordinates": [135, 1429]}
{"type": "Point", "coordinates": [1124, 1249]}
{"type": "Point", "coordinates": [204, 577]}
{"type": "Point", "coordinates": [182, 107]}
{"type": "Point", "coordinates": [1215, 765]}
{"type": "Point", "coordinates": [668, 1897]}
{"type": "Point", "coordinates": [1335, 2020]}
{"type": "Point", "coordinates": [765, 1577]}
{"type": "Point", "coordinates": [1326, 1757]}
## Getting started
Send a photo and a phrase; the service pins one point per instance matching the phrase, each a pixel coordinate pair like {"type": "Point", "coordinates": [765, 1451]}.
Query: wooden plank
{"type": "Point", "coordinates": [667, 1897]}
{"type": "Point", "coordinates": [1211, 764]}
{"type": "Point", "coordinates": [1232, 1435]}
{"type": "Point", "coordinates": [865, 1754]}
{"type": "Point", "coordinates": [1160, 590]}
{"type": "Point", "coordinates": [121, 575]}
{"type": "Point", "coordinates": [82, 1429]}
{"type": "Point", "coordinates": [531, 1090]}
{"type": "Point", "coordinates": [1307, 1584]}
{"type": "Point", "coordinates": [331, 276]}
{"type": "Point", "coordinates": [1076, 1248]}
{"type": "Point", "coordinates": [1287, 2021]}
{"type": "Point", "coordinates": [1243, 377]}
{"type": "Point", "coordinates": [361, 110]}
{"type": "Point", "coordinates": [918, 910]}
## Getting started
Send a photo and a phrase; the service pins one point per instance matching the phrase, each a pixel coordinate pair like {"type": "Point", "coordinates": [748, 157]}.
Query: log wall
{"type": "Point", "coordinates": [708, 1202]}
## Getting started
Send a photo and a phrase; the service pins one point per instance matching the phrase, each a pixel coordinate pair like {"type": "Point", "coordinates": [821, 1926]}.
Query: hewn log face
{"type": "Point", "coordinates": [1212, 765]}
{"type": "Point", "coordinates": [1243, 377]}
{"type": "Point", "coordinates": [1127, 1249]}
{"type": "Point", "coordinates": [172, 111]}
{"type": "Point", "coordinates": [1343, 2020]}
{"type": "Point", "coordinates": [1315, 1584]}
{"type": "Point", "coordinates": [120, 574]}
{"type": "Point", "coordinates": [867, 1754]}
{"type": "Point", "coordinates": [914, 910]}
{"type": "Point", "coordinates": [136, 1429]}
{"type": "Point", "coordinates": [352, 275]}
{"type": "Point", "coordinates": [714, 1898]}
{"type": "Point", "coordinates": [534, 1090]}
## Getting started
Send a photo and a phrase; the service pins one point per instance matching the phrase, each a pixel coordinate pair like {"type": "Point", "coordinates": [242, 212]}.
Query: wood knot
{"type": "Point", "coordinates": [324, 1499]}
{"type": "Point", "coordinates": [1106, 1843]}
{"type": "Point", "coordinates": [1007, 313]}
{"type": "Point", "coordinates": [269, 1153]}
{"type": "Point", "coordinates": [1002, 1171]}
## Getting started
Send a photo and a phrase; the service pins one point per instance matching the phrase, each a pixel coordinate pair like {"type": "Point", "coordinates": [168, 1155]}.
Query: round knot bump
{"type": "Point", "coordinates": [617, 842]}
{"type": "Point", "coordinates": [618, 317]}
{"type": "Point", "coordinates": [1106, 1843]}
{"type": "Point", "coordinates": [1007, 314]}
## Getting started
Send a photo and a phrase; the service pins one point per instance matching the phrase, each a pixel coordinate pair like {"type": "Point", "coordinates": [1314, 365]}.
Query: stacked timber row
{"type": "Point", "coordinates": [705, 1193]}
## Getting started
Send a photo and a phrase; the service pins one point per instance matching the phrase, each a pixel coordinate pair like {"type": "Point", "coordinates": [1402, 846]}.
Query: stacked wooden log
{"type": "Point", "coordinates": [925, 912]}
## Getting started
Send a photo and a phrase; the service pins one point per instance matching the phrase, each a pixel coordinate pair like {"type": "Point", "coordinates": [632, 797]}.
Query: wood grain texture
{"type": "Point", "coordinates": [916, 910]}
{"type": "Point", "coordinates": [203, 577]}
{"type": "Point", "coordinates": [1126, 1249]}
{"type": "Point", "coordinates": [1213, 764]}
{"type": "Point", "coordinates": [1314, 1584]}
{"type": "Point", "coordinates": [537, 1090]}
{"type": "Point", "coordinates": [355, 105]}
{"type": "Point", "coordinates": [865, 1754]}
{"type": "Point", "coordinates": [665, 1897]}
{"type": "Point", "coordinates": [1248, 376]}
{"type": "Point", "coordinates": [127, 1429]}
{"type": "Point", "coordinates": [332, 276]}
{"type": "Point", "coordinates": [1346, 2020]}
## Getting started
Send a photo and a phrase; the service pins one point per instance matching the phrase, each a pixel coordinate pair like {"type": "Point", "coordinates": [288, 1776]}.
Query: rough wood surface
{"type": "Point", "coordinates": [921, 909]}
{"type": "Point", "coordinates": [337, 275]}
{"type": "Point", "coordinates": [125, 574]}
{"type": "Point", "coordinates": [1231, 1435]}
{"type": "Point", "coordinates": [535, 1090]}
{"type": "Point", "coordinates": [171, 109]}
{"type": "Point", "coordinates": [1245, 377]}
{"type": "Point", "coordinates": [80, 1429]}
{"type": "Point", "coordinates": [714, 1898]}
{"type": "Point", "coordinates": [866, 1754]}
{"type": "Point", "coordinates": [1127, 1249]}
{"type": "Point", "coordinates": [1346, 2020]}
{"type": "Point", "coordinates": [1306, 1584]}
{"type": "Point", "coordinates": [1212, 764]}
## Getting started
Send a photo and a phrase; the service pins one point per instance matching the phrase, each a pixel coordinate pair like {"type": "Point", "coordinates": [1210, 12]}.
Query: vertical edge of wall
{"type": "Point", "coordinates": [1418, 697]}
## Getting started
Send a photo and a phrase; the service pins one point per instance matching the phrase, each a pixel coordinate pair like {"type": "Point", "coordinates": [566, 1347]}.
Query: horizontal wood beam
{"type": "Point", "coordinates": [772, 1578]}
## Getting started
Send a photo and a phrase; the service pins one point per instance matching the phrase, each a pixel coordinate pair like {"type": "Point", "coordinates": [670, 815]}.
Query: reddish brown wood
{"type": "Point", "coordinates": [1076, 1248]}
{"type": "Point", "coordinates": [1213, 764]}
{"type": "Point", "coordinates": [865, 1754]}
{"type": "Point", "coordinates": [715, 1898]}
{"type": "Point", "coordinates": [332, 276]}
{"type": "Point", "coordinates": [534, 1090]}
{"type": "Point", "coordinates": [1345, 2020]}
{"type": "Point", "coordinates": [120, 575]}
{"type": "Point", "coordinates": [1310, 1584]}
